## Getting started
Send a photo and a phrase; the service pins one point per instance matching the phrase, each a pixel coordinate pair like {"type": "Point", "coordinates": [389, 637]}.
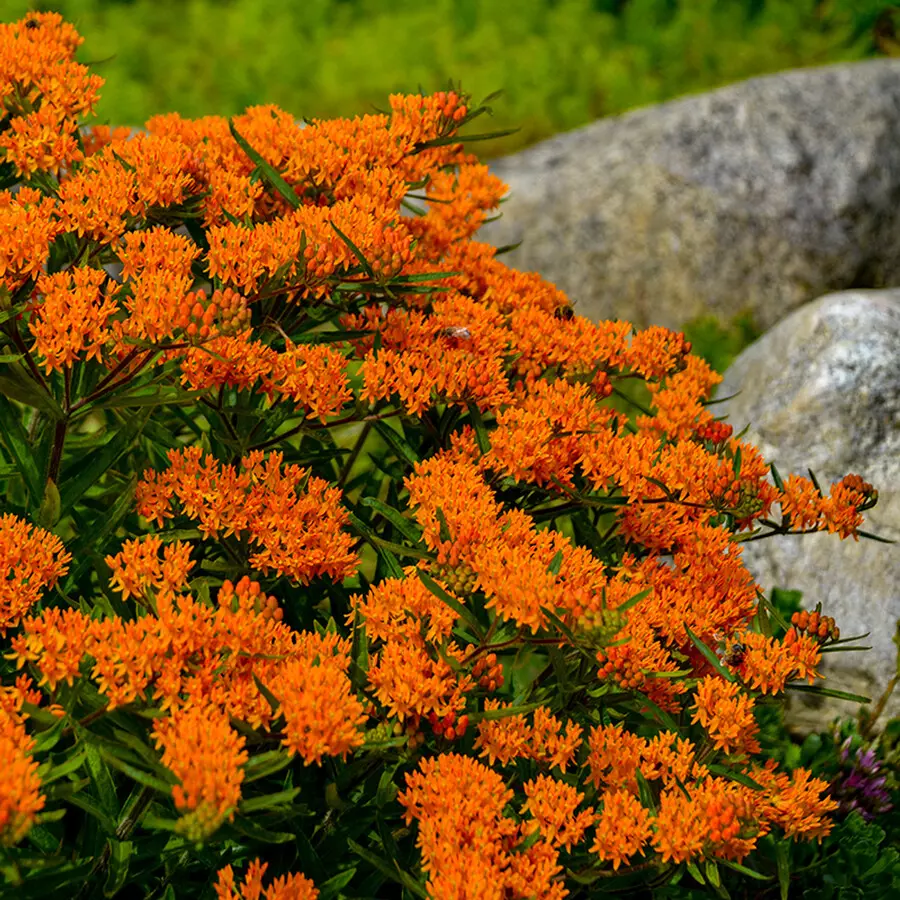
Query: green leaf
{"type": "Point", "coordinates": [827, 692]}
{"type": "Point", "coordinates": [711, 657]}
{"type": "Point", "coordinates": [776, 477]}
{"type": "Point", "coordinates": [367, 268]}
{"type": "Point", "coordinates": [406, 527]}
{"type": "Point", "coordinates": [490, 715]}
{"type": "Point", "coordinates": [739, 777]}
{"type": "Point", "coordinates": [268, 801]}
{"type": "Point", "coordinates": [384, 549]}
{"type": "Point", "coordinates": [481, 433]}
{"type": "Point", "coordinates": [136, 774]}
{"type": "Point", "coordinates": [49, 773]}
{"type": "Point", "coordinates": [397, 443]}
{"type": "Point", "coordinates": [268, 171]}
{"type": "Point", "coordinates": [47, 739]}
{"type": "Point", "coordinates": [334, 885]}
{"type": "Point", "coordinates": [460, 609]}
{"type": "Point", "coordinates": [395, 873]}
{"type": "Point", "coordinates": [271, 699]}
{"type": "Point", "coordinates": [463, 139]}
{"type": "Point", "coordinates": [97, 462]}
{"type": "Point", "coordinates": [102, 780]}
{"type": "Point", "coordinates": [17, 384]}
{"type": "Point", "coordinates": [49, 512]}
{"type": "Point", "coordinates": [119, 857]}
{"type": "Point", "coordinates": [265, 764]}
{"type": "Point", "coordinates": [555, 563]}
{"type": "Point", "coordinates": [743, 870]}
{"type": "Point", "coordinates": [633, 601]}
{"type": "Point", "coordinates": [16, 442]}
{"type": "Point", "coordinates": [88, 805]}
{"type": "Point", "coordinates": [782, 862]}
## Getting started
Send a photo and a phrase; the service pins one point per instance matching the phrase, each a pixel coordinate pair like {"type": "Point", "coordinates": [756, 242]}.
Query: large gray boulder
{"type": "Point", "coordinates": [760, 196]}
{"type": "Point", "coordinates": [822, 390]}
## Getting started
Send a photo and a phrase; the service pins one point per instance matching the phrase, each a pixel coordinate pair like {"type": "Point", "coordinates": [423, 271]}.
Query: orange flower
{"type": "Point", "coordinates": [544, 741]}
{"type": "Point", "coordinates": [137, 567]}
{"type": "Point", "coordinates": [552, 805]}
{"type": "Point", "coordinates": [31, 559]}
{"type": "Point", "coordinates": [798, 802]}
{"type": "Point", "coordinates": [467, 844]}
{"type": "Point", "coordinates": [623, 827]}
{"type": "Point", "coordinates": [287, 887]}
{"type": "Point", "coordinates": [20, 796]}
{"type": "Point", "coordinates": [768, 664]}
{"type": "Point", "coordinates": [298, 534]}
{"type": "Point", "coordinates": [73, 315]}
{"type": "Point", "coordinates": [205, 754]}
{"type": "Point", "coordinates": [28, 224]}
{"type": "Point", "coordinates": [727, 715]}
{"type": "Point", "coordinates": [322, 714]}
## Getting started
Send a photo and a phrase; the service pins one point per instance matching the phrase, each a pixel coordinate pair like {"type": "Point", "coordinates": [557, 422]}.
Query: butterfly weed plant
{"type": "Point", "coordinates": [337, 560]}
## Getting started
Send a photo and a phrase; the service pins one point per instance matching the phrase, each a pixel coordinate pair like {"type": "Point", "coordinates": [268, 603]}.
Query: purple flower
{"type": "Point", "coordinates": [860, 787]}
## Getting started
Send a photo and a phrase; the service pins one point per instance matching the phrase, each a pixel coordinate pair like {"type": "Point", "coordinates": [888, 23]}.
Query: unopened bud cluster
{"type": "Point", "coordinates": [248, 596]}
{"type": "Point", "coordinates": [489, 672]}
{"type": "Point", "coordinates": [202, 317]}
{"type": "Point", "coordinates": [816, 625]}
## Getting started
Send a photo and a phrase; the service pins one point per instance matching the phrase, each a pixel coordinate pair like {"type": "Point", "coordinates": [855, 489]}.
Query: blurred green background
{"type": "Point", "coordinates": [561, 63]}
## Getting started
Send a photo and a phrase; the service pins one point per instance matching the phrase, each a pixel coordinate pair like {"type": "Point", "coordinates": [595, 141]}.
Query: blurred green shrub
{"type": "Point", "coordinates": [562, 63]}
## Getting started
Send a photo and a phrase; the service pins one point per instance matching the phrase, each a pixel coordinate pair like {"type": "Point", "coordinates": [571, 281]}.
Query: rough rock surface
{"type": "Point", "coordinates": [760, 196]}
{"type": "Point", "coordinates": [822, 390]}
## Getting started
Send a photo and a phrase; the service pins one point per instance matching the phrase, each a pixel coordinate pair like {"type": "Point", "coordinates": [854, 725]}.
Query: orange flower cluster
{"type": "Point", "coordinates": [415, 673]}
{"type": "Point", "coordinates": [806, 509]}
{"type": "Point", "coordinates": [299, 534]}
{"type": "Point", "coordinates": [31, 559]}
{"type": "Point", "coordinates": [20, 786]}
{"type": "Point", "coordinates": [469, 848]}
{"type": "Point", "coordinates": [206, 755]}
{"type": "Point", "coordinates": [188, 655]}
{"type": "Point", "coordinates": [313, 377]}
{"type": "Point", "coordinates": [552, 805]}
{"type": "Point", "coordinates": [287, 887]}
{"type": "Point", "coordinates": [71, 321]}
{"type": "Point", "coordinates": [43, 92]}
{"type": "Point", "coordinates": [28, 215]}
{"type": "Point", "coordinates": [726, 713]}
{"type": "Point", "coordinates": [137, 568]}
{"type": "Point", "coordinates": [699, 815]}
{"type": "Point", "coordinates": [511, 737]}
{"type": "Point", "coordinates": [300, 279]}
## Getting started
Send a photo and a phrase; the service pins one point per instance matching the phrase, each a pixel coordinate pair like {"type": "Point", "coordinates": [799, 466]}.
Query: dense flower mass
{"type": "Point", "coordinates": [31, 560]}
{"type": "Point", "coordinates": [414, 543]}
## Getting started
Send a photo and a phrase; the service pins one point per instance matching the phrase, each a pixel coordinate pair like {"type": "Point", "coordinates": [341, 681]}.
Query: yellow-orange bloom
{"type": "Point", "coordinates": [623, 827]}
{"type": "Point", "coordinates": [20, 787]}
{"type": "Point", "coordinates": [31, 559]}
{"type": "Point", "coordinates": [726, 712]}
{"type": "Point", "coordinates": [287, 887]}
{"type": "Point", "coordinates": [72, 318]}
{"type": "Point", "coordinates": [206, 755]}
{"type": "Point", "coordinates": [297, 529]}
{"type": "Point", "coordinates": [552, 805]}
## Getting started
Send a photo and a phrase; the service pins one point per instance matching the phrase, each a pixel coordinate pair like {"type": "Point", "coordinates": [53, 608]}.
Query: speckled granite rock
{"type": "Point", "coordinates": [762, 196]}
{"type": "Point", "coordinates": [822, 390]}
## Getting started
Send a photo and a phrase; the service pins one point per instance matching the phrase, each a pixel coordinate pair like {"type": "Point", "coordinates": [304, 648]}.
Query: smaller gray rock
{"type": "Point", "coordinates": [821, 390]}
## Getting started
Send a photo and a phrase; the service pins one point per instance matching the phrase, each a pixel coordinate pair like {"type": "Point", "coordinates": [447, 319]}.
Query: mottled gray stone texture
{"type": "Point", "coordinates": [822, 390]}
{"type": "Point", "coordinates": [760, 196]}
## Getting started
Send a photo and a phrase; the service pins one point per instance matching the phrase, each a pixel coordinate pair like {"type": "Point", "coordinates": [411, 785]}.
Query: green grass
{"type": "Point", "coordinates": [561, 64]}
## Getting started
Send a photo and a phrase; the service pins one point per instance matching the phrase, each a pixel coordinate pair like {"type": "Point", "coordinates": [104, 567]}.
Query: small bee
{"type": "Point", "coordinates": [456, 331]}
{"type": "Point", "coordinates": [564, 312]}
{"type": "Point", "coordinates": [734, 653]}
